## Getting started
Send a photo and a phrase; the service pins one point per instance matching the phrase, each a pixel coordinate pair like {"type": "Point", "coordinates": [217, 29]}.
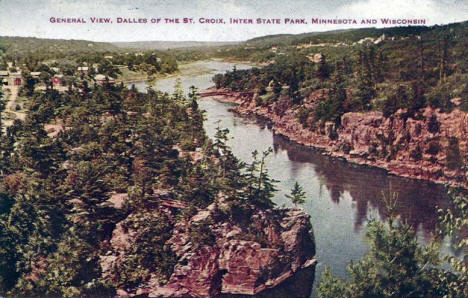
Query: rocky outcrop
{"type": "Point", "coordinates": [432, 146]}
{"type": "Point", "coordinates": [241, 258]}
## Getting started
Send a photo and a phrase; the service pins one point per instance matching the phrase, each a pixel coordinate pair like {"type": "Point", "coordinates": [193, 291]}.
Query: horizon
{"type": "Point", "coordinates": [35, 20]}
{"type": "Point", "coordinates": [226, 41]}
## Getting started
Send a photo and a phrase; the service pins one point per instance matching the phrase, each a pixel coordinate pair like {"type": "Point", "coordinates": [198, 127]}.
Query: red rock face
{"type": "Point", "coordinates": [232, 264]}
{"type": "Point", "coordinates": [405, 148]}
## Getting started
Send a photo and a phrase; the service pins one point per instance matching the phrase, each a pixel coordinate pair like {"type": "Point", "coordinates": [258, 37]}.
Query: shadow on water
{"type": "Point", "coordinates": [417, 201]}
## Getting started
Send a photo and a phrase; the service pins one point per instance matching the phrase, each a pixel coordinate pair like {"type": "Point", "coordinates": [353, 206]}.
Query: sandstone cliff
{"type": "Point", "coordinates": [268, 249]}
{"type": "Point", "coordinates": [423, 148]}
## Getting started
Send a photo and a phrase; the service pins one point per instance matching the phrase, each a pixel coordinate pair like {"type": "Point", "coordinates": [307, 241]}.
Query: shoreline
{"type": "Point", "coordinates": [406, 169]}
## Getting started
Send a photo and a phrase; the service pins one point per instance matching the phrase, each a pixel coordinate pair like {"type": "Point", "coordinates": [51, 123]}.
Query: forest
{"type": "Point", "coordinates": [415, 68]}
{"type": "Point", "coordinates": [57, 213]}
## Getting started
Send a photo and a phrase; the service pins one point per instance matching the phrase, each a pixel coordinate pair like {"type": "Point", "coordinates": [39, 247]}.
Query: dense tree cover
{"type": "Point", "coordinates": [17, 48]}
{"type": "Point", "coordinates": [397, 265]}
{"type": "Point", "coordinates": [51, 57]}
{"type": "Point", "coordinates": [288, 70]}
{"type": "Point", "coordinates": [151, 62]}
{"type": "Point", "coordinates": [411, 68]}
{"type": "Point", "coordinates": [55, 213]}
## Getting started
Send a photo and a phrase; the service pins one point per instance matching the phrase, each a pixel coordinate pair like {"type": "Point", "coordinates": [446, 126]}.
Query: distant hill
{"type": "Point", "coordinates": [164, 45]}
{"type": "Point", "coordinates": [341, 35]}
{"type": "Point", "coordinates": [23, 46]}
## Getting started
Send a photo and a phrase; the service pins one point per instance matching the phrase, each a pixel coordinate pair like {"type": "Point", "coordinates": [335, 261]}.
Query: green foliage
{"type": "Point", "coordinates": [396, 101]}
{"type": "Point", "coordinates": [454, 222]}
{"type": "Point", "coordinates": [178, 93]}
{"type": "Point", "coordinates": [302, 115]}
{"type": "Point", "coordinates": [433, 125]}
{"type": "Point", "coordinates": [260, 187]}
{"type": "Point", "coordinates": [297, 195]}
{"type": "Point", "coordinates": [108, 69]}
{"type": "Point", "coordinates": [440, 98]}
{"type": "Point", "coordinates": [57, 207]}
{"type": "Point", "coordinates": [336, 105]}
{"type": "Point", "coordinates": [395, 266]}
{"type": "Point", "coordinates": [201, 234]}
{"type": "Point", "coordinates": [323, 70]}
{"type": "Point", "coordinates": [425, 62]}
{"type": "Point", "coordinates": [149, 253]}
{"type": "Point", "coordinates": [464, 99]}
{"type": "Point", "coordinates": [452, 151]}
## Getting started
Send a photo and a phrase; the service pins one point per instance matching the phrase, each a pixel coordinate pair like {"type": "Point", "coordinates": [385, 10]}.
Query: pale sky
{"type": "Point", "coordinates": [32, 17]}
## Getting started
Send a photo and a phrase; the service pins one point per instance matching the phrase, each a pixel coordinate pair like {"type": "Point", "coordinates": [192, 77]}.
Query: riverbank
{"type": "Point", "coordinates": [191, 68]}
{"type": "Point", "coordinates": [363, 138]}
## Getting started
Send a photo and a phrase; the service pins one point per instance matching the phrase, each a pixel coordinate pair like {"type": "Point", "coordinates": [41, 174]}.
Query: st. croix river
{"type": "Point", "coordinates": [341, 197]}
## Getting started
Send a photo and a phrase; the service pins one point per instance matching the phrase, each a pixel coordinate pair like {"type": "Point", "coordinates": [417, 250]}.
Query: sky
{"type": "Point", "coordinates": [32, 17]}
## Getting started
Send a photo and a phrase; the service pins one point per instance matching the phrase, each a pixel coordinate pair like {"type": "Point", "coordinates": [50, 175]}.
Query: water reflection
{"type": "Point", "coordinates": [417, 201]}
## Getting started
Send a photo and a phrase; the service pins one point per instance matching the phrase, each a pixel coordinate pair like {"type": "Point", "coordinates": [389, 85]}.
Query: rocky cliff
{"type": "Point", "coordinates": [239, 257]}
{"type": "Point", "coordinates": [432, 146]}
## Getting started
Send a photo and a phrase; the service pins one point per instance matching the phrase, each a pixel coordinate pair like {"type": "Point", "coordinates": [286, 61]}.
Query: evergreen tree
{"type": "Point", "coordinates": [276, 88]}
{"type": "Point", "coordinates": [297, 195]}
{"type": "Point", "coordinates": [178, 93]}
{"type": "Point", "coordinates": [293, 90]}
{"type": "Point", "coordinates": [366, 92]}
{"type": "Point", "coordinates": [323, 70]}
{"type": "Point", "coordinates": [259, 186]}
{"type": "Point", "coordinates": [193, 97]}
{"type": "Point", "coordinates": [397, 265]}
{"type": "Point", "coordinates": [2, 109]}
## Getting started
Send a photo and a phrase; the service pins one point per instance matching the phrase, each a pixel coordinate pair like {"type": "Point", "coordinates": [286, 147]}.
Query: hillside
{"type": "Point", "coordinates": [24, 46]}
{"type": "Point", "coordinates": [396, 98]}
{"type": "Point", "coordinates": [266, 48]}
{"type": "Point", "coordinates": [165, 45]}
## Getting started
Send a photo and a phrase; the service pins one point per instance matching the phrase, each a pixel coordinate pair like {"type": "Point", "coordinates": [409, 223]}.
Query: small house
{"type": "Point", "coordinates": [15, 78]}
{"type": "Point", "coordinates": [56, 79]}
{"type": "Point", "coordinates": [83, 69]}
{"type": "Point", "coordinates": [108, 57]}
{"type": "Point", "coordinates": [101, 79]}
{"type": "Point", "coordinates": [316, 58]}
{"type": "Point", "coordinates": [35, 74]}
{"type": "Point", "coordinates": [4, 73]}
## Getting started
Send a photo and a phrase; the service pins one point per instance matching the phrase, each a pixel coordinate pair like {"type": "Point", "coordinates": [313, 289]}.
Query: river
{"type": "Point", "coordinates": [341, 197]}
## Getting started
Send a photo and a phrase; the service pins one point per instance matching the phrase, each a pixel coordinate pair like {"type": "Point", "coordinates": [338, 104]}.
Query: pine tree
{"type": "Point", "coordinates": [297, 195]}
{"type": "Point", "coordinates": [2, 108]}
{"type": "Point", "coordinates": [178, 94]}
{"type": "Point", "coordinates": [323, 70]}
{"type": "Point", "coordinates": [260, 187]}
{"type": "Point", "coordinates": [276, 88]}
{"type": "Point", "coordinates": [193, 96]}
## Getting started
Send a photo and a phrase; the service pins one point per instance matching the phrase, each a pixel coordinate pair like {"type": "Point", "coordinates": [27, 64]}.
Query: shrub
{"type": "Point", "coordinates": [433, 125]}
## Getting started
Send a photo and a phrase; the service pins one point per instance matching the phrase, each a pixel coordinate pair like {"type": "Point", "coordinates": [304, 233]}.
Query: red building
{"type": "Point", "coordinates": [17, 81]}
{"type": "Point", "coordinates": [56, 80]}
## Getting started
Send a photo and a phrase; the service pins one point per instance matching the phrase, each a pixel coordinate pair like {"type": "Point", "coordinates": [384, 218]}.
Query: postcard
{"type": "Point", "coordinates": [233, 148]}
